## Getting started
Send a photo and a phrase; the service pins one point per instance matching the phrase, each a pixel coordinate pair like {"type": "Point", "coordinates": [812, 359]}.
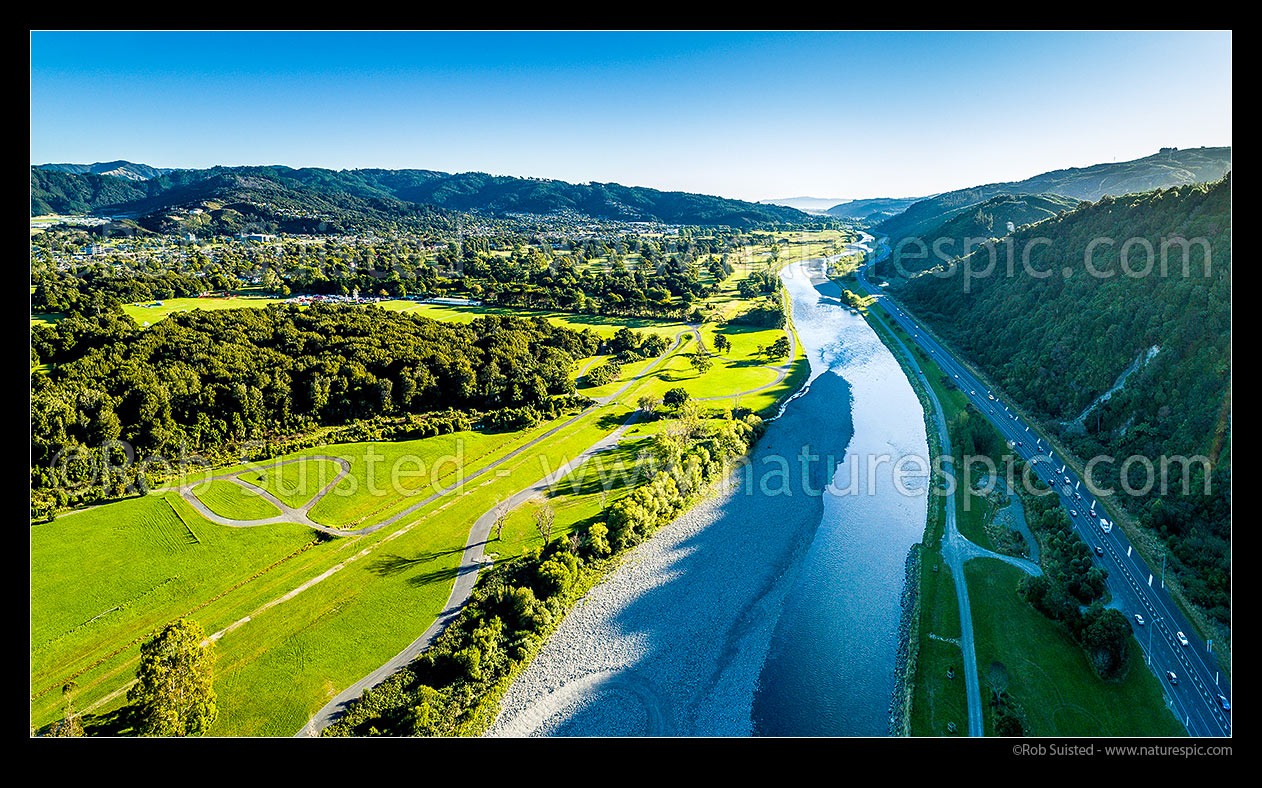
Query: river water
{"type": "Point", "coordinates": [830, 668]}
{"type": "Point", "coordinates": [773, 607]}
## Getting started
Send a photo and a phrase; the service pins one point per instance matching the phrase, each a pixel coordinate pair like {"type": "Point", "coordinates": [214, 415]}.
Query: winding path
{"type": "Point", "coordinates": [288, 514]}
{"type": "Point", "coordinates": [473, 557]}
{"type": "Point", "coordinates": [781, 370]}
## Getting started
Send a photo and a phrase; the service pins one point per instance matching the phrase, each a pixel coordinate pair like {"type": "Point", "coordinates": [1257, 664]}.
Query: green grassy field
{"type": "Point", "coordinates": [295, 483]}
{"type": "Point", "coordinates": [937, 699]}
{"type": "Point", "coordinates": [603, 325]}
{"type": "Point", "coordinates": [152, 314]}
{"type": "Point", "coordinates": [229, 499]}
{"type": "Point", "coordinates": [1048, 672]}
{"type": "Point", "coordinates": [107, 576]}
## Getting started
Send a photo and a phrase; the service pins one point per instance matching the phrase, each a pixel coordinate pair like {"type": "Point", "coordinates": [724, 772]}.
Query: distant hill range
{"type": "Point", "coordinates": [816, 205]}
{"type": "Point", "coordinates": [875, 209]}
{"type": "Point", "coordinates": [126, 170]}
{"type": "Point", "coordinates": [1169, 167]}
{"type": "Point", "coordinates": [320, 200]}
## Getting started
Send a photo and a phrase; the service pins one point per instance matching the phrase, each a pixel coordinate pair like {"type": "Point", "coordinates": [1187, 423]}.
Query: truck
{"type": "Point", "coordinates": [1105, 525]}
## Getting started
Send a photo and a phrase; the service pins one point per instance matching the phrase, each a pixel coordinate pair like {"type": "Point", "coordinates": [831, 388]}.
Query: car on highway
{"type": "Point", "coordinates": [1182, 638]}
{"type": "Point", "coordinates": [1105, 525]}
{"type": "Point", "coordinates": [1174, 677]}
{"type": "Point", "coordinates": [1139, 619]}
{"type": "Point", "coordinates": [1099, 551]}
{"type": "Point", "coordinates": [1073, 512]}
{"type": "Point", "coordinates": [1224, 703]}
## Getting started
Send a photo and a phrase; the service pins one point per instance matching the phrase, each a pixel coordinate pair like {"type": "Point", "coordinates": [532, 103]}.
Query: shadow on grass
{"type": "Point", "coordinates": [436, 576]}
{"type": "Point", "coordinates": [123, 721]}
{"type": "Point", "coordinates": [393, 564]}
{"type": "Point", "coordinates": [610, 421]}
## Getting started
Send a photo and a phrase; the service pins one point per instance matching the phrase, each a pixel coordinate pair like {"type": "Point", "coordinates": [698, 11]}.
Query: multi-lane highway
{"type": "Point", "coordinates": [1198, 693]}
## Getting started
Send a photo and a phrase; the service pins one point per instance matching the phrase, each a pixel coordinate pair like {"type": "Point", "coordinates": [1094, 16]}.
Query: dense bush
{"type": "Point", "coordinates": [1055, 343]}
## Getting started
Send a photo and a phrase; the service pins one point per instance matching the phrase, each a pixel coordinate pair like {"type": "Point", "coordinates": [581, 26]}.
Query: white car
{"type": "Point", "coordinates": [1182, 638]}
{"type": "Point", "coordinates": [1139, 619]}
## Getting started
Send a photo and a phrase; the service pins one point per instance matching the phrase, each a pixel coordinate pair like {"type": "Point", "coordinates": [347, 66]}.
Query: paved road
{"type": "Point", "coordinates": [1135, 588]}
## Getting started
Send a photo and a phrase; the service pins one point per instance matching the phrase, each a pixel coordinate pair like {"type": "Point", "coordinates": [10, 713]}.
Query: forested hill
{"type": "Point", "coordinates": [54, 191]}
{"type": "Point", "coordinates": [874, 209]}
{"type": "Point", "coordinates": [1169, 167]}
{"type": "Point", "coordinates": [119, 169]}
{"type": "Point", "coordinates": [1057, 343]}
{"type": "Point", "coordinates": [968, 228]}
{"type": "Point", "coordinates": [281, 194]}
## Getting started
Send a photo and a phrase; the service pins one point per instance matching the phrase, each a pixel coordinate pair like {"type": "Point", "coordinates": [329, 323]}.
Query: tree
{"type": "Point", "coordinates": [598, 540]}
{"type": "Point", "coordinates": [71, 724]}
{"type": "Point", "coordinates": [778, 349]}
{"type": "Point", "coordinates": [501, 516]}
{"type": "Point", "coordinates": [545, 516]}
{"type": "Point", "coordinates": [173, 683]}
{"type": "Point", "coordinates": [721, 343]}
{"type": "Point", "coordinates": [648, 403]}
{"type": "Point", "coordinates": [271, 281]}
{"type": "Point", "coordinates": [675, 397]}
{"type": "Point", "coordinates": [700, 361]}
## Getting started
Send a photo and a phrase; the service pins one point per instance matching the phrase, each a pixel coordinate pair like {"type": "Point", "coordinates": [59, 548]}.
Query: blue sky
{"type": "Point", "coordinates": [748, 115]}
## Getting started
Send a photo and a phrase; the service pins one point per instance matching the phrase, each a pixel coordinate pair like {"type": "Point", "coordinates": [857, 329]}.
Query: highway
{"type": "Point", "coordinates": [1134, 587]}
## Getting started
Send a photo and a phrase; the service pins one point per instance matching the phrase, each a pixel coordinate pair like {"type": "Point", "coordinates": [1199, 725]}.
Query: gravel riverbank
{"type": "Point", "coordinates": [673, 642]}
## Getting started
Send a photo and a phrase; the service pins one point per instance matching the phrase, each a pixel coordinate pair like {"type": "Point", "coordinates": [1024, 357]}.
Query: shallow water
{"type": "Point", "coordinates": [830, 668]}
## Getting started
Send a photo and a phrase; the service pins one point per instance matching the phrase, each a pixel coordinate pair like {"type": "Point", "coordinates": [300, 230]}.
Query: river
{"type": "Point", "coordinates": [772, 608]}
{"type": "Point", "coordinates": [830, 668]}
